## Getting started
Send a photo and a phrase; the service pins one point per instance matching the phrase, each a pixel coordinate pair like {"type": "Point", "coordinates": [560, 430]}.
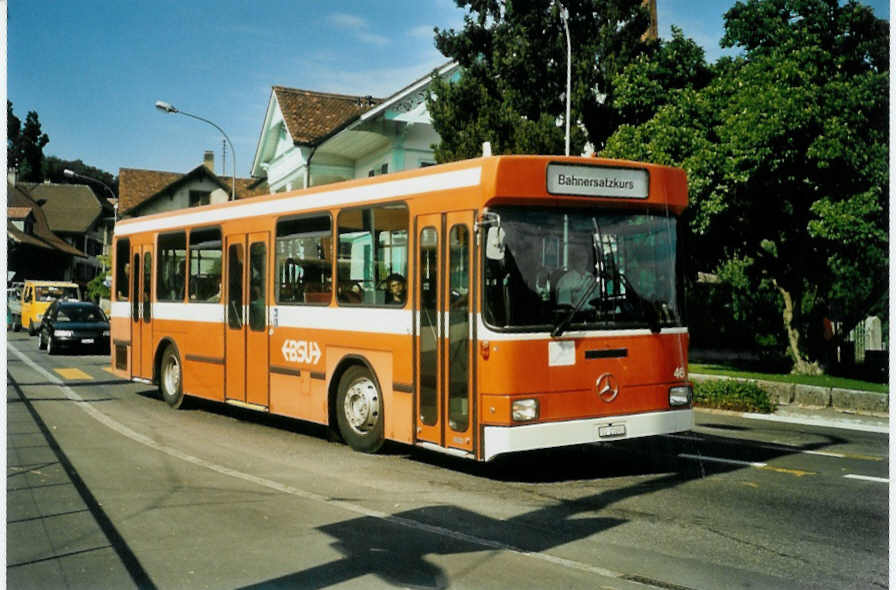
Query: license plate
{"type": "Point", "coordinates": [87, 341]}
{"type": "Point", "coordinates": [611, 430]}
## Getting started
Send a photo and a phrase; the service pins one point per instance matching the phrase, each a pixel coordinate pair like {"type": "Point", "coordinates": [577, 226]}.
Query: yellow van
{"type": "Point", "coordinates": [37, 297]}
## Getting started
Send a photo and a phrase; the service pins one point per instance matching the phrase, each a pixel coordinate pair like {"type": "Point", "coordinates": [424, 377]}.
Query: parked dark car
{"type": "Point", "coordinates": [74, 324]}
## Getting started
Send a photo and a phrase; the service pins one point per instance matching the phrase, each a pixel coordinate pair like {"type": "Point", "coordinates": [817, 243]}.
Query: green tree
{"type": "Point", "coordinates": [512, 84]}
{"type": "Point", "coordinates": [54, 167]}
{"type": "Point", "coordinates": [786, 153]}
{"type": "Point", "coordinates": [25, 145]}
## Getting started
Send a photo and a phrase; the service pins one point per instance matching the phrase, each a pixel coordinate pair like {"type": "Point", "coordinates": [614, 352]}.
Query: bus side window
{"type": "Point", "coordinates": [373, 255]}
{"type": "Point", "coordinates": [304, 254]}
{"type": "Point", "coordinates": [205, 265]}
{"type": "Point", "coordinates": [171, 267]}
{"type": "Point", "coordinates": [122, 269]}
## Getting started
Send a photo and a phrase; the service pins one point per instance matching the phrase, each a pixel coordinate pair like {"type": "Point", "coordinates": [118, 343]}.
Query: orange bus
{"type": "Point", "coordinates": [476, 308]}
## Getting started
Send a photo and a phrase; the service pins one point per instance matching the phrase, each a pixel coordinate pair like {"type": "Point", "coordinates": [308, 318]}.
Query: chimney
{"type": "Point", "coordinates": [209, 160]}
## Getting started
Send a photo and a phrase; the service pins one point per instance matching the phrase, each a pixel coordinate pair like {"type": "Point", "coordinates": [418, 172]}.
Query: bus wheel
{"type": "Point", "coordinates": [171, 378]}
{"type": "Point", "coordinates": [359, 410]}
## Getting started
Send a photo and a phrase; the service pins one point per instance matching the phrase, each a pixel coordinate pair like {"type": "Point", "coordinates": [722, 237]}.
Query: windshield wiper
{"type": "Point", "coordinates": [599, 275]}
{"type": "Point", "coordinates": [561, 326]}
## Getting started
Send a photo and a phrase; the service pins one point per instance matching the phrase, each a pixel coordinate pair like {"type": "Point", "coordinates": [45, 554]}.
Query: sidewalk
{"type": "Point", "coordinates": [57, 534]}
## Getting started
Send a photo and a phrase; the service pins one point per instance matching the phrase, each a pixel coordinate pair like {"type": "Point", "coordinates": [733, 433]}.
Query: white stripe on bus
{"type": "Point", "coordinates": [274, 206]}
{"type": "Point", "coordinates": [375, 320]}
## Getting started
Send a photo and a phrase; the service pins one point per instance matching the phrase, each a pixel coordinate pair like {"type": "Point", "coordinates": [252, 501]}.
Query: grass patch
{"type": "Point", "coordinates": [727, 394]}
{"type": "Point", "coordinates": [819, 380]}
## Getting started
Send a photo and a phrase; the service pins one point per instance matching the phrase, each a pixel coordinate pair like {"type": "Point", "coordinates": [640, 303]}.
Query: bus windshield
{"type": "Point", "coordinates": [578, 269]}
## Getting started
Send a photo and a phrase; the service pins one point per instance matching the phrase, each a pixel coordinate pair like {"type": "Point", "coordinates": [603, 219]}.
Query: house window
{"type": "Point", "coordinates": [198, 198]}
{"type": "Point", "coordinates": [384, 169]}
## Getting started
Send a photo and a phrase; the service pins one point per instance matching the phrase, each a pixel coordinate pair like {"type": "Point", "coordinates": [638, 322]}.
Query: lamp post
{"type": "Point", "coordinates": [564, 14]}
{"type": "Point", "coordinates": [72, 174]}
{"type": "Point", "coordinates": [169, 108]}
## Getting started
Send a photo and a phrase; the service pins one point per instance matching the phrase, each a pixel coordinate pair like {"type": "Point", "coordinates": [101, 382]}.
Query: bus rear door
{"type": "Point", "coordinates": [444, 331]}
{"type": "Point", "coordinates": [246, 346]}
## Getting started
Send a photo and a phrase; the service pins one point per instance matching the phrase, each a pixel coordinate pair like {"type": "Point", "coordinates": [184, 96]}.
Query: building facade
{"type": "Point", "coordinates": [311, 138]}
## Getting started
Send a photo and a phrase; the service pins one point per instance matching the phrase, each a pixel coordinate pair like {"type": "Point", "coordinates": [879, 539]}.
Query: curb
{"type": "Point", "coordinates": [814, 396]}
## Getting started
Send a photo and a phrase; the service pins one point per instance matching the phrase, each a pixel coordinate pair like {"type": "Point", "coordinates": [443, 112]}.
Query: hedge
{"type": "Point", "coordinates": [729, 394]}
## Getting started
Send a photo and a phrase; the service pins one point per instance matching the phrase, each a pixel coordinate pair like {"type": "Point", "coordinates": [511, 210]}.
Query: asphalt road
{"type": "Point", "coordinates": [217, 497]}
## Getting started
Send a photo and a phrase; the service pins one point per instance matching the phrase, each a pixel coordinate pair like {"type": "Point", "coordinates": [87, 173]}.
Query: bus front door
{"type": "Point", "coordinates": [444, 331]}
{"type": "Point", "coordinates": [246, 359]}
{"type": "Point", "coordinates": [141, 312]}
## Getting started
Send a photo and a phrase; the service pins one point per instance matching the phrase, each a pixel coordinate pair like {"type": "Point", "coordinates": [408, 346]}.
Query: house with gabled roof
{"type": "Point", "coordinates": [77, 215]}
{"type": "Point", "coordinates": [34, 251]}
{"type": "Point", "coordinates": [143, 192]}
{"type": "Point", "coordinates": [310, 138]}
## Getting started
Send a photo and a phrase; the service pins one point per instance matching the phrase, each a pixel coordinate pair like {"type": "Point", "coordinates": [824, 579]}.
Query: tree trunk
{"type": "Point", "coordinates": [801, 363]}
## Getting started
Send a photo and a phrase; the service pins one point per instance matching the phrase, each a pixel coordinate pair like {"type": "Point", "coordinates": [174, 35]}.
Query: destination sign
{"type": "Point", "coordinates": [597, 181]}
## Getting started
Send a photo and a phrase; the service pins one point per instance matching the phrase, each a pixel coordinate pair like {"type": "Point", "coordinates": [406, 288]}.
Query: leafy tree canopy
{"type": "Point", "coordinates": [54, 167]}
{"type": "Point", "coordinates": [512, 85]}
{"type": "Point", "coordinates": [786, 153]}
{"type": "Point", "coordinates": [25, 145]}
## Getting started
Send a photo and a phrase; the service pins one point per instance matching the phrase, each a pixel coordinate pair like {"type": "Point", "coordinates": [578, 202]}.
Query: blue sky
{"type": "Point", "coordinates": [93, 69]}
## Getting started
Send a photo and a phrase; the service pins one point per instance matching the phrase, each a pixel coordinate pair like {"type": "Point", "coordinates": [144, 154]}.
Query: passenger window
{"type": "Point", "coordinates": [122, 269]}
{"type": "Point", "coordinates": [147, 287]}
{"type": "Point", "coordinates": [235, 286]}
{"type": "Point", "coordinates": [205, 265]}
{"type": "Point", "coordinates": [171, 261]}
{"type": "Point", "coordinates": [373, 255]}
{"type": "Point", "coordinates": [458, 327]}
{"type": "Point", "coordinates": [304, 260]}
{"type": "Point", "coordinates": [257, 282]}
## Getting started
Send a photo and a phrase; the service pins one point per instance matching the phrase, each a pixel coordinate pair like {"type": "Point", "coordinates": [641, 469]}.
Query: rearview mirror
{"type": "Point", "coordinates": [494, 243]}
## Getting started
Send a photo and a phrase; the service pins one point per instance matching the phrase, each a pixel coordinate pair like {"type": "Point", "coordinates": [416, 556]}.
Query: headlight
{"type": "Point", "coordinates": [680, 395]}
{"type": "Point", "coordinates": [63, 333]}
{"type": "Point", "coordinates": [105, 332]}
{"type": "Point", "coordinates": [524, 410]}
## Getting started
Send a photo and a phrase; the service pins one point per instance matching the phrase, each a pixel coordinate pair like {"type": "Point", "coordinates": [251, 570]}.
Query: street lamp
{"type": "Point", "coordinates": [564, 14]}
{"type": "Point", "coordinates": [72, 174]}
{"type": "Point", "coordinates": [169, 108]}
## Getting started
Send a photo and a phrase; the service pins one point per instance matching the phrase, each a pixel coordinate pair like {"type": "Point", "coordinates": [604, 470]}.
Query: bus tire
{"type": "Point", "coordinates": [359, 410]}
{"type": "Point", "coordinates": [31, 330]}
{"type": "Point", "coordinates": [171, 378]}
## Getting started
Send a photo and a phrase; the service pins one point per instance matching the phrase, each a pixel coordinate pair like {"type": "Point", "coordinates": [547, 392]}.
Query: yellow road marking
{"type": "Point", "coordinates": [73, 374]}
{"type": "Point", "coordinates": [796, 472]}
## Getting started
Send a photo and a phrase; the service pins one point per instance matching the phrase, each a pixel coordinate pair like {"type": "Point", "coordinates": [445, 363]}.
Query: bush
{"type": "Point", "coordinates": [729, 394]}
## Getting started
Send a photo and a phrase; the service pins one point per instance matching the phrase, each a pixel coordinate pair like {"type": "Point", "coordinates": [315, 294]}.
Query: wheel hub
{"type": "Point", "coordinates": [172, 375]}
{"type": "Point", "coordinates": [362, 405]}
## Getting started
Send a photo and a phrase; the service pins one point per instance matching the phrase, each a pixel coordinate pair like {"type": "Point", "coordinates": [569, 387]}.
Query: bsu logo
{"type": "Point", "coordinates": [301, 351]}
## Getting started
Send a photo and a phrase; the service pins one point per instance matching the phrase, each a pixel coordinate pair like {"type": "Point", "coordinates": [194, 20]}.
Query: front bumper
{"type": "Point", "coordinates": [510, 439]}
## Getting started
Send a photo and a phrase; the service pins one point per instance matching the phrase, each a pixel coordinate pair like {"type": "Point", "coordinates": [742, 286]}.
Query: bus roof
{"type": "Point", "coordinates": [552, 179]}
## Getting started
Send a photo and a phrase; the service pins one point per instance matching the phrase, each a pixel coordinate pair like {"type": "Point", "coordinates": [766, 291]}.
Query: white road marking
{"type": "Point", "coordinates": [790, 449]}
{"type": "Point", "coordinates": [818, 422]}
{"type": "Point", "coordinates": [304, 494]}
{"type": "Point", "coordinates": [721, 460]}
{"type": "Point", "coordinates": [867, 478]}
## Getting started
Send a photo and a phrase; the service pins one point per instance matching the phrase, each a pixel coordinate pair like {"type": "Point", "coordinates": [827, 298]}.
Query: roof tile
{"type": "Point", "coordinates": [313, 116]}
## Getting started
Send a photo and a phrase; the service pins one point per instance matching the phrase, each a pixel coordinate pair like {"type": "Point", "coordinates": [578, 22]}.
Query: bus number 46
{"type": "Point", "coordinates": [301, 351]}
